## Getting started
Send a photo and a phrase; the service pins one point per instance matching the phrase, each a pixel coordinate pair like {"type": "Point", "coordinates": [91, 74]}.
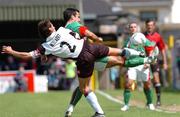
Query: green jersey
{"type": "Point", "coordinates": [77, 27]}
{"type": "Point", "coordinates": [139, 42]}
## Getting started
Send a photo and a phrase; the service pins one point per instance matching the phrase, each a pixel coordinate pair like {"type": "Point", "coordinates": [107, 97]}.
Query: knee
{"type": "Point", "coordinates": [128, 85]}
{"type": "Point", "coordinates": [147, 85]}
{"type": "Point", "coordinates": [120, 60]}
{"type": "Point", "coordinates": [84, 90]}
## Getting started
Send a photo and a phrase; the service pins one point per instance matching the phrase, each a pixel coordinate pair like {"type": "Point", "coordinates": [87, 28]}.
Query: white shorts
{"type": "Point", "coordinates": [139, 73]}
{"type": "Point", "coordinates": [100, 66]}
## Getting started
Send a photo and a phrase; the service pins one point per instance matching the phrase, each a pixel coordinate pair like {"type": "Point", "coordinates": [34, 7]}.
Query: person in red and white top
{"type": "Point", "coordinates": [154, 36]}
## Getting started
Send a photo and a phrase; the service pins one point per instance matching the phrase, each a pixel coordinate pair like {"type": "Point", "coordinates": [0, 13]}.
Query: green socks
{"type": "Point", "coordinates": [132, 62]}
{"type": "Point", "coordinates": [127, 95]}
{"type": "Point", "coordinates": [76, 96]}
{"type": "Point", "coordinates": [148, 94]}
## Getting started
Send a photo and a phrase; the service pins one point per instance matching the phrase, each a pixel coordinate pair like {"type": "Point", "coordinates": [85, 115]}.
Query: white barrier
{"type": "Point", "coordinates": [35, 83]}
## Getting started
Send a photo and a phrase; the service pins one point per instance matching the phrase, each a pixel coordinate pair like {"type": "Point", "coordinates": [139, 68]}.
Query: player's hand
{"type": "Point", "coordinates": [165, 66]}
{"type": "Point", "coordinates": [44, 58]}
{"type": "Point", "coordinates": [99, 40]}
{"type": "Point", "coordinates": [7, 49]}
{"type": "Point", "coordinates": [146, 66]}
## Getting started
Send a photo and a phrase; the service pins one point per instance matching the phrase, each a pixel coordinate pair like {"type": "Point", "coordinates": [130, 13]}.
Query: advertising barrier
{"type": "Point", "coordinates": [33, 82]}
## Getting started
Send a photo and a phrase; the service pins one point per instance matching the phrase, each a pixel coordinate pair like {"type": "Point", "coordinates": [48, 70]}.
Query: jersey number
{"type": "Point", "coordinates": [71, 48]}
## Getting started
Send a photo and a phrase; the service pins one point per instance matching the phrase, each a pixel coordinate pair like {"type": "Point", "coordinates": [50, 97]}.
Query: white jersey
{"type": "Point", "coordinates": [138, 38]}
{"type": "Point", "coordinates": [63, 43]}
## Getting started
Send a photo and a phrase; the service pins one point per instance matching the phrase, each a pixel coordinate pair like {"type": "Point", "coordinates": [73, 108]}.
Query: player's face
{"type": "Point", "coordinates": [150, 26]}
{"type": "Point", "coordinates": [77, 17]}
{"type": "Point", "coordinates": [52, 28]}
{"type": "Point", "coordinates": [133, 28]}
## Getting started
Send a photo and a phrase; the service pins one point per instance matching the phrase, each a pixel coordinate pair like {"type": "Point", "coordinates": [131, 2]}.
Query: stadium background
{"type": "Point", "coordinates": [19, 18]}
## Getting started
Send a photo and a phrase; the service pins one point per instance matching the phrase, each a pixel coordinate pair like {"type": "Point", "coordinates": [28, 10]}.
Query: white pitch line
{"type": "Point", "coordinates": [109, 97]}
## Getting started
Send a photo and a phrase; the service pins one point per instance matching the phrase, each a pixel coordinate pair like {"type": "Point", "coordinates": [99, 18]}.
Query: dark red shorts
{"type": "Point", "coordinates": [155, 67]}
{"type": "Point", "coordinates": [89, 54]}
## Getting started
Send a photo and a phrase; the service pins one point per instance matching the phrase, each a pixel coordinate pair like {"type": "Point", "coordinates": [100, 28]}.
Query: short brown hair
{"type": "Point", "coordinates": [150, 20]}
{"type": "Point", "coordinates": [43, 28]}
{"type": "Point", "coordinates": [68, 13]}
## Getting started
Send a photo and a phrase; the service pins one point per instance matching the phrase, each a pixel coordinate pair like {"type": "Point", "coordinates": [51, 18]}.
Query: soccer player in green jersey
{"type": "Point", "coordinates": [138, 42]}
{"type": "Point", "coordinates": [72, 19]}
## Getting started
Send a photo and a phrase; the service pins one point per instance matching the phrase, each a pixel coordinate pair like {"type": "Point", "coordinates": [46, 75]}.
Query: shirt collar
{"type": "Point", "coordinates": [150, 33]}
{"type": "Point", "coordinates": [51, 36]}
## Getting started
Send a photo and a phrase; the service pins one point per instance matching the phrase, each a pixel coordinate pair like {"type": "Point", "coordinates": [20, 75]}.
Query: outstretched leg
{"type": "Point", "coordinates": [76, 96]}
{"type": "Point", "coordinates": [126, 52]}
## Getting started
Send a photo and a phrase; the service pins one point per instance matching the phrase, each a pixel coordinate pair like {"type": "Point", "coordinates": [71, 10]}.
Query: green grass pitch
{"type": "Point", "coordinates": [53, 104]}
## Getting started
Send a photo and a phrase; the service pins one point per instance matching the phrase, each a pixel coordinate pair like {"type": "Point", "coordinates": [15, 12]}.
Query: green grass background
{"type": "Point", "coordinates": [53, 104]}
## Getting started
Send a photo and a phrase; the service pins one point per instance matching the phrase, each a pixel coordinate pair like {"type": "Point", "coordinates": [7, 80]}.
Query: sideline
{"type": "Point", "coordinates": [109, 97]}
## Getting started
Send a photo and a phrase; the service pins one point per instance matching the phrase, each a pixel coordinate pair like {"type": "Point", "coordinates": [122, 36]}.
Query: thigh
{"type": "Point", "coordinates": [101, 63]}
{"type": "Point", "coordinates": [98, 51]}
{"type": "Point", "coordinates": [84, 68]}
{"type": "Point", "coordinates": [132, 74]}
{"type": "Point", "coordinates": [88, 56]}
{"type": "Point", "coordinates": [114, 51]}
{"type": "Point", "coordinates": [144, 75]}
{"type": "Point", "coordinates": [100, 66]}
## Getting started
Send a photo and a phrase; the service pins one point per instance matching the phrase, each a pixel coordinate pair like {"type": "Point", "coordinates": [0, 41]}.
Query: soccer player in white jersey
{"type": "Point", "coordinates": [64, 43]}
{"type": "Point", "coordinates": [138, 42]}
{"type": "Point", "coordinates": [72, 19]}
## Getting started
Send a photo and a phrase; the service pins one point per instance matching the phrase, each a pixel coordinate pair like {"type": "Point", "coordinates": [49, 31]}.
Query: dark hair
{"type": "Point", "coordinates": [68, 13]}
{"type": "Point", "coordinates": [132, 22]}
{"type": "Point", "coordinates": [43, 28]}
{"type": "Point", "coordinates": [150, 20]}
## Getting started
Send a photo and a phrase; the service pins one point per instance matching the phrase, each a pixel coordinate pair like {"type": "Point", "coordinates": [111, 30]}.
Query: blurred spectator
{"type": "Point", "coordinates": [42, 68]}
{"type": "Point", "coordinates": [20, 80]}
{"type": "Point", "coordinates": [56, 73]}
{"type": "Point", "coordinates": [53, 82]}
{"type": "Point", "coordinates": [70, 73]}
{"type": "Point", "coordinates": [114, 76]}
{"type": "Point", "coordinates": [27, 64]}
{"type": "Point", "coordinates": [178, 63]}
{"type": "Point", "coordinates": [2, 65]}
{"type": "Point", "coordinates": [11, 64]}
{"type": "Point", "coordinates": [178, 60]}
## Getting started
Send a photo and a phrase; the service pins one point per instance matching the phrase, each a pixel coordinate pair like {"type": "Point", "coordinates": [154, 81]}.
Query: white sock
{"type": "Point", "coordinates": [70, 108]}
{"type": "Point", "coordinates": [146, 60]}
{"type": "Point", "coordinates": [133, 52]}
{"type": "Point", "coordinates": [92, 100]}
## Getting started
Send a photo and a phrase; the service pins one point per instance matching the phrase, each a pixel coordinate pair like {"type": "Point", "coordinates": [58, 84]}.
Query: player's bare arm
{"type": "Point", "coordinates": [21, 55]}
{"type": "Point", "coordinates": [165, 65]}
{"type": "Point", "coordinates": [93, 37]}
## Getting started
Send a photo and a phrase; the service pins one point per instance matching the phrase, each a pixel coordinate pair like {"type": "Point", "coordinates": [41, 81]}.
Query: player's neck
{"type": "Point", "coordinates": [70, 21]}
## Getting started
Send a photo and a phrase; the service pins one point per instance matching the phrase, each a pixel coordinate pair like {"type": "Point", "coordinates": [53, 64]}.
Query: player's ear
{"type": "Point", "coordinates": [51, 29]}
{"type": "Point", "coordinates": [72, 17]}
